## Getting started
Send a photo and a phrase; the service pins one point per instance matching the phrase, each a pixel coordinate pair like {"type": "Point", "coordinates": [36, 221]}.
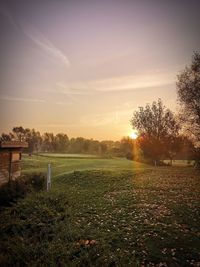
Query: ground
{"type": "Point", "coordinates": [117, 213]}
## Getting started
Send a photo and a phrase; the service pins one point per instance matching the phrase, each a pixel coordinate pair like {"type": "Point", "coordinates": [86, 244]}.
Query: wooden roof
{"type": "Point", "coordinates": [13, 144]}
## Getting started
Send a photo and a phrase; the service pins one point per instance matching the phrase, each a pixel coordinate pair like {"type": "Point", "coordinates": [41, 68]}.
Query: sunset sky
{"type": "Point", "coordinates": [83, 67]}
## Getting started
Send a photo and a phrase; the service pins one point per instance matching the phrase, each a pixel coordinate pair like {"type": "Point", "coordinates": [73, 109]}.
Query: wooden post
{"type": "Point", "coordinates": [48, 177]}
{"type": "Point", "coordinates": [10, 165]}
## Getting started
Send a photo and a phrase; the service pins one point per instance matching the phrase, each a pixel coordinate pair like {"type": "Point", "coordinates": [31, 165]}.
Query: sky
{"type": "Point", "coordinates": [83, 67]}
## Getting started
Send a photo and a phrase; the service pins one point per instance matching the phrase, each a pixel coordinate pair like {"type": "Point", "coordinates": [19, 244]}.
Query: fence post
{"type": "Point", "coordinates": [48, 177]}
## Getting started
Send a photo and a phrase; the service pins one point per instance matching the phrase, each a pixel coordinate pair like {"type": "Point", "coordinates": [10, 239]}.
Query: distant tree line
{"type": "Point", "coordinates": [60, 143]}
{"type": "Point", "coordinates": [145, 148]}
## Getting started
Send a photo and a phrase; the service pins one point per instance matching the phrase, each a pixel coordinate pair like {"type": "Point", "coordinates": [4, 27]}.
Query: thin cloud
{"type": "Point", "coordinates": [123, 83]}
{"type": "Point", "coordinates": [10, 98]}
{"type": "Point", "coordinates": [37, 37]}
{"type": "Point", "coordinates": [105, 119]}
{"type": "Point", "coordinates": [132, 82]}
{"type": "Point", "coordinates": [74, 89]}
{"type": "Point", "coordinates": [43, 43]}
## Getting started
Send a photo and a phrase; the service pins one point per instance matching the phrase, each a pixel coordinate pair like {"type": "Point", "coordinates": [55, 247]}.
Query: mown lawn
{"type": "Point", "coordinates": [63, 164]}
{"type": "Point", "coordinates": [68, 155]}
{"type": "Point", "coordinates": [114, 217]}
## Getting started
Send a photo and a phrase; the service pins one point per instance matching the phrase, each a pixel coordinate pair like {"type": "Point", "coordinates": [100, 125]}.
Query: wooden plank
{"type": "Point", "coordinates": [13, 144]}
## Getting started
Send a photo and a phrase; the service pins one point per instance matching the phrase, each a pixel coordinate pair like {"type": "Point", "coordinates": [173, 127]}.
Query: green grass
{"type": "Point", "coordinates": [122, 214]}
{"type": "Point", "coordinates": [67, 155]}
{"type": "Point", "coordinates": [63, 165]}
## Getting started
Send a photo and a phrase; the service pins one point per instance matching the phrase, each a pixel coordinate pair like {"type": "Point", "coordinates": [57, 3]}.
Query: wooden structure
{"type": "Point", "coordinates": [10, 157]}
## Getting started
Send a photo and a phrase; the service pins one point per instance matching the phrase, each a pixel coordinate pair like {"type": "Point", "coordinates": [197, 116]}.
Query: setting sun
{"type": "Point", "coordinates": [133, 135]}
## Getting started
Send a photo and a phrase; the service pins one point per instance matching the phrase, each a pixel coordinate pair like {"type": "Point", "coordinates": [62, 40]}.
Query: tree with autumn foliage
{"type": "Point", "coordinates": [157, 127]}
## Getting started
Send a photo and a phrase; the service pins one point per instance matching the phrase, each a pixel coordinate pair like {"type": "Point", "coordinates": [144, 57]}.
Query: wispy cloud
{"type": "Point", "coordinates": [74, 88]}
{"type": "Point", "coordinates": [140, 81]}
{"type": "Point", "coordinates": [122, 83]}
{"type": "Point", "coordinates": [105, 119]}
{"type": "Point", "coordinates": [36, 36]}
{"type": "Point", "coordinates": [20, 99]}
{"type": "Point", "coordinates": [43, 43]}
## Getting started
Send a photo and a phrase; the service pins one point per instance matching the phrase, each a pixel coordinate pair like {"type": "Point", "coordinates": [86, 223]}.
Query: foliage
{"type": "Point", "coordinates": [36, 180]}
{"type": "Point", "coordinates": [127, 147]}
{"type": "Point", "coordinates": [188, 87]}
{"type": "Point", "coordinates": [157, 127]}
{"type": "Point", "coordinates": [12, 191]}
{"type": "Point", "coordinates": [107, 218]}
{"type": "Point", "coordinates": [59, 143]}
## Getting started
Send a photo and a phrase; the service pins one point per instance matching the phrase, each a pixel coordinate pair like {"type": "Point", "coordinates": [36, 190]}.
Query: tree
{"type": "Point", "coordinates": [156, 125]}
{"type": "Point", "coordinates": [127, 147]}
{"type": "Point", "coordinates": [48, 142]}
{"type": "Point", "coordinates": [188, 88]}
{"type": "Point", "coordinates": [186, 149]}
{"type": "Point", "coordinates": [6, 137]}
{"type": "Point", "coordinates": [20, 133]}
{"type": "Point", "coordinates": [34, 140]}
{"type": "Point", "coordinates": [179, 147]}
{"type": "Point", "coordinates": [62, 142]}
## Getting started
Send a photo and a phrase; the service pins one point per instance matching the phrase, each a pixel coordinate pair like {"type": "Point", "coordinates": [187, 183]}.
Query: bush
{"type": "Point", "coordinates": [129, 156]}
{"type": "Point", "coordinates": [10, 192]}
{"type": "Point", "coordinates": [36, 180]}
{"type": "Point", "coordinates": [197, 164]}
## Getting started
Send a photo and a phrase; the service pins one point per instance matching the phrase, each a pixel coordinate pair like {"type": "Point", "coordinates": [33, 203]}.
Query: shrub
{"type": "Point", "coordinates": [10, 192]}
{"type": "Point", "coordinates": [197, 164]}
{"type": "Point", "coordinates": [129, 156]}
{"type": "Point", "coordinates": [36, 180]}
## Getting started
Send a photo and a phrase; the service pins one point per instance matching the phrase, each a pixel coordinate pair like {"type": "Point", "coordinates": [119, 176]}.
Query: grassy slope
{"type": "Point", "coordinates": [142, 216]}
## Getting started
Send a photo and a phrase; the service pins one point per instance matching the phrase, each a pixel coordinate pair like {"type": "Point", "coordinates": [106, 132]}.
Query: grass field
{"type": "Point", "coordinates": [117, 213]}
{"type": "Point", "coordinates": [66, 155]}
{"type": "Point", "coordinates": [62, 164]}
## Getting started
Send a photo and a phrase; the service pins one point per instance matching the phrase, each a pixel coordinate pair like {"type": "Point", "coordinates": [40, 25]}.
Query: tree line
{"type": "Point", "coordinates": [138, 149]}
{"type": "Point", "coordinates": [60, 143]}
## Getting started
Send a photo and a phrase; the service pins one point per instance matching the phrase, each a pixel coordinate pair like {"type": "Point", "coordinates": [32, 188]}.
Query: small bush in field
{"type": "Point", "coordinates": [36, 180]}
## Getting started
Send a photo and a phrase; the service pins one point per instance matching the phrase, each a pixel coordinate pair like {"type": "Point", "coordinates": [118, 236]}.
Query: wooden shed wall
{"type": "Point", "coordinates": [4, 167]}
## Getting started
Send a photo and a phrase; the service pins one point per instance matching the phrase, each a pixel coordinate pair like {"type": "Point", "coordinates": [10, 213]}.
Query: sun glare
{"type": "Point", "coordinates": [133, 135]}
